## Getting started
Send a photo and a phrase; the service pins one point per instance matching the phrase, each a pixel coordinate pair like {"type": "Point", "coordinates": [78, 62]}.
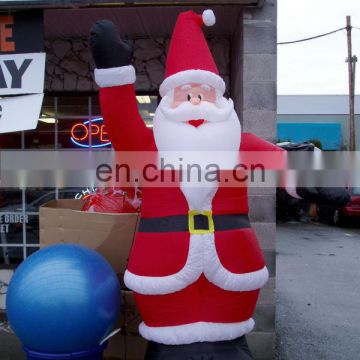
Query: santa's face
{"type": "Point", "coordinates": [194, 117]}
{"type": "Point", "coordinates": [194, 93]}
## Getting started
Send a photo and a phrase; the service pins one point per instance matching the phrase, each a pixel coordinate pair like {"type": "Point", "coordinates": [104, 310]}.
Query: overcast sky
{"type": "Point", "coordinates": [317, 66]}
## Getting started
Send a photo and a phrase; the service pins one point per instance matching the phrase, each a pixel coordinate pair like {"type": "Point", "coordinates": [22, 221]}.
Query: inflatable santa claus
{"type": "Point", "coordinates": [195, 267]}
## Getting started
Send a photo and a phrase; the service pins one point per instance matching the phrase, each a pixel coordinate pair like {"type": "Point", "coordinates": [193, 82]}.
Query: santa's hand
{"type": "Point", "coordinates": [108, 49]}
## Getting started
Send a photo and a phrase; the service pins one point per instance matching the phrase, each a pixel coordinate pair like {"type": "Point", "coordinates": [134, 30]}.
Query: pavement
{"type": "Point", "coordinates": [10, 346]}
{"type": "Point", "coordinates": [318, 295]}
{"type": "Point", "coordinates": [318, 292]}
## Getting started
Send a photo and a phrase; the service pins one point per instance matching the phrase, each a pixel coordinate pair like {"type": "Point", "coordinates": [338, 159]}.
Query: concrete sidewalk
{"type": "Point", "coordinates": [10, 346]}
{"type": "Point", "coordinates": [318, 295]}
{"type": "Point", "coordinates": [318, 292]}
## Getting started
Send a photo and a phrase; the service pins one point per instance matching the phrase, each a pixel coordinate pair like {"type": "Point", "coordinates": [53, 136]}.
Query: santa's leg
{"type": "Point", "coordinates": [220, 350]}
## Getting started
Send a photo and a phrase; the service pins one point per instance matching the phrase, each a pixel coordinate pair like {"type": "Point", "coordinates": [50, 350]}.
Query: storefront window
{"type": "Point", "coordinates": [66, 122]}
{"type": "Point", "coordinates": [12, 228]}
{"type": "Point", "coordinates": [11, 255]}
{"type": "Point", "coordinates": [10, 141]}
{"type": "Point", "coordinates": [71, 130]}
{"type": "Point", "coordinates": [32, 229]}
{"type": "Point", "coordinates": [31, 250]}
{"type": "Point", "coordinates": [43, 137]}
{"type": "Point", "coordinates": [72, 107]}
{"type": "Point", "coordinates": [9, 198]}
{"type": "Point", "coordinates": [147, 106]}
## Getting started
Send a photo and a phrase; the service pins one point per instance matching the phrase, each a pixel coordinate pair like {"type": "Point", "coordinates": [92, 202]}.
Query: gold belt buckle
{"type": "Point", "coordinates": [210, 219]}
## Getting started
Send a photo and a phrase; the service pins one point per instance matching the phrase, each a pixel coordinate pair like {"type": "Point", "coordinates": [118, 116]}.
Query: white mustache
{"type": "Point", "coordinates": [205, 110]}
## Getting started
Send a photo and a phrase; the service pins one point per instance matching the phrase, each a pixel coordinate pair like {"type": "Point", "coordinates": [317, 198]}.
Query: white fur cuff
{"type": "Point", "coordinates": [196, 332]}
{"type": "Point", "coordinates": [116, 76]}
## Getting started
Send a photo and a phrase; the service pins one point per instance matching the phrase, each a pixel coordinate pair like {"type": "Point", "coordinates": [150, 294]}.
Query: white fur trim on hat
{"type": "Point", "coordinates": [196, 332]}
{"type": "Point", "coordinates": [208, 17]}
{"type": "Point", "coordinates": [116, 76]}
{"type": "Point", "coordinates": [192, 76]}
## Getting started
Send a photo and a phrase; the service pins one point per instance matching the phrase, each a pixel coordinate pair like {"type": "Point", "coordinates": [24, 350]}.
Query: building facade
{"type": "Point", "coordinates": [324, 118]}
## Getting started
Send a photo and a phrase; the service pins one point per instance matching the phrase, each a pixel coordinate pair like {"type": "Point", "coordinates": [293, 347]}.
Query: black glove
{"type": "Point", "coordinates": [107, 47]}
{"type": "Point", "coordinates": [325, 196]}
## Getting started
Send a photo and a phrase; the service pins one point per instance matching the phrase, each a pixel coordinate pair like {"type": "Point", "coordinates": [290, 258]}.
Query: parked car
{"type": "Point", "coordinates": [340, 216]}
{"type": "Point", "coordinates": [289, 208]}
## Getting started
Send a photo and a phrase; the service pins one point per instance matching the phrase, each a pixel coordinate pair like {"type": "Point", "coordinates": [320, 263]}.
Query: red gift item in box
{"type": "Point", "coordinates": [113, 200]}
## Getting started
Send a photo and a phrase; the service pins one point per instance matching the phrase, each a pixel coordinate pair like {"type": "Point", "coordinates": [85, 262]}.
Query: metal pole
{"type": "Point", "coordinates": [350, 60]}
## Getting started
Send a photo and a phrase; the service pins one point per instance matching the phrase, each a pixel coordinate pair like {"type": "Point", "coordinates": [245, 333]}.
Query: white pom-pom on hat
{"type": "Point", "coordinates": [208, 17]}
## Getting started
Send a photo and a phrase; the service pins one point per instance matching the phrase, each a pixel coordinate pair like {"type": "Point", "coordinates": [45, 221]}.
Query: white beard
{"type": "Point", "coordinates": [220, 132]}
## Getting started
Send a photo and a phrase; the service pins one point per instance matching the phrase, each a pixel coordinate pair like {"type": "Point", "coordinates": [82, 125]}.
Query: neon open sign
{"type": "Point", "coordinates": [81, 132]}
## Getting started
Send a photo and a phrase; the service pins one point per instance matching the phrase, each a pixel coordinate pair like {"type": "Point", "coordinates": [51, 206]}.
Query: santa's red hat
{"type": "Point", "coordinates": [189, 58]}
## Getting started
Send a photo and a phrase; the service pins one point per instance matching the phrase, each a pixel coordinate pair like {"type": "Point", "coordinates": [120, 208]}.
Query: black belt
{"type": "Point", "coordinates": [200, 223]}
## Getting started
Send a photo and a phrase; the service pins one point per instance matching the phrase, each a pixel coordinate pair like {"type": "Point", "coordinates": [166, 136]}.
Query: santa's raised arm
{"type": "Point", "coordinates": [115, 76]}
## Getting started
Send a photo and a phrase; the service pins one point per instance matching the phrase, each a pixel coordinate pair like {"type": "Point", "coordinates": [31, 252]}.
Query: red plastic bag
{"type": "Point", "coordinates": [113, 200]}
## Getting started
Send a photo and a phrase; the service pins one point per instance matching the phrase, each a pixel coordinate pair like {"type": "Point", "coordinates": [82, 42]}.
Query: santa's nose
{"type": "Point", "coordinates": [195, 100]}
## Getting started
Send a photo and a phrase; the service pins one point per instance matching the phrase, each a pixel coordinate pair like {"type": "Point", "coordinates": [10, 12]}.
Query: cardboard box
{"type": "Point", "coordinates": [62, 221]}
{"type": "Point", "coordinates": [128, 344]}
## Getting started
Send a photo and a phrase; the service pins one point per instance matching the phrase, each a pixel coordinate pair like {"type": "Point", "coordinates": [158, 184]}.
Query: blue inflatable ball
{"type": "Point", "coordinates": [63, 298]}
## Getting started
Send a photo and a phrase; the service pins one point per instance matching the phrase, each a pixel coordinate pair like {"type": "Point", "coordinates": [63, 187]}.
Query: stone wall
{"type": "Point", "coordinates": [69, 65]}
{"type": "Point", "coordinates": [254, 93]}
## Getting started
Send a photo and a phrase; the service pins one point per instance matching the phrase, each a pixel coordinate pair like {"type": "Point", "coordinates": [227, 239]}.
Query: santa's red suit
{"type": "Point", "coordinates": [195, 272]}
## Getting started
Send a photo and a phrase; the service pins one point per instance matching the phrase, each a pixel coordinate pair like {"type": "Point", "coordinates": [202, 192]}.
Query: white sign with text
{"type": "Point", "coordinates": [20, 112]}
{"type": "Point", "coordinates": [22, 73]}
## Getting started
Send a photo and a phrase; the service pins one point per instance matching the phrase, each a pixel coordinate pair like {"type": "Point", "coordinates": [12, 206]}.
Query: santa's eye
{"type": "Point", "coordinates": [189, 96]}
{"type": "Point", "coordinates": [201, 97]}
